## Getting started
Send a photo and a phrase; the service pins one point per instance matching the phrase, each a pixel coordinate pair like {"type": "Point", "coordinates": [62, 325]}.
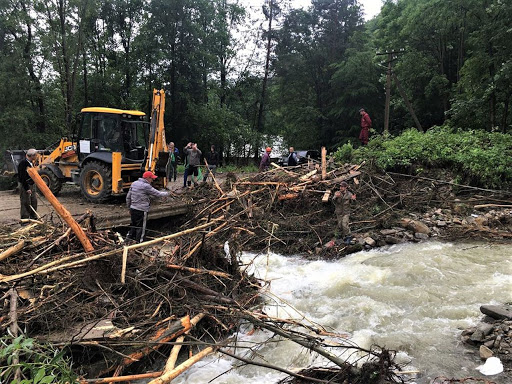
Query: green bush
{"type": "Point", "coordinates": [39, 364]}
{"type": "Point", "coordinates": [479, 157]}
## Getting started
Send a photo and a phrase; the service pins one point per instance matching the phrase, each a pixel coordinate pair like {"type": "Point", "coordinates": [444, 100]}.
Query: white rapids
{"type": "Point", "coordinates": [412, 298]}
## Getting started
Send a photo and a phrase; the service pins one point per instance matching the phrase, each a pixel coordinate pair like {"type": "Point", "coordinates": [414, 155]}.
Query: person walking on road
{"type": "Point", "coordinates": [138, 201]}
{"type": "Point", "coordinates": [342, 200]}
{"type": "Point", "coordinates": [366, 124]}
{"type": "Point", "coordinates": [28, 190]}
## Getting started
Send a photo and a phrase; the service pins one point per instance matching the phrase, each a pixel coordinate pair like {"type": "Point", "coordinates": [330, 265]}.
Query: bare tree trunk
{"type": "Point", "coordinates": [41, 111]}
{"type": "Point", "coordinates": [259, 124]}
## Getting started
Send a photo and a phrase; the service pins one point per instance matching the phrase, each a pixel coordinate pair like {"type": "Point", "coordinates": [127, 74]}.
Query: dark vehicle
{"type": "Point", "coordinates": [302, 157]}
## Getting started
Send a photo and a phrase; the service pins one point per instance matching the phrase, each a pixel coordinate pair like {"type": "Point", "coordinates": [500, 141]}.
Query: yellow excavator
{"type": "Point", "coordinates": [110, 149]}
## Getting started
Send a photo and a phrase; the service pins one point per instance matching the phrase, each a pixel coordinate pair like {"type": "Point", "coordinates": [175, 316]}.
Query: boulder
{"type": "Point", "coordinates": [486, 328]}
{"type": "Point", "coordinates": [498, 312]}
{"type": "Point", "coordinates": [415, 226]}
{"type": "Point", "coordinates": [477, 336]}
{"type": "Point", "coordinates": [368, 240]}
{"type": "Point", "coordinates": [392, 240]}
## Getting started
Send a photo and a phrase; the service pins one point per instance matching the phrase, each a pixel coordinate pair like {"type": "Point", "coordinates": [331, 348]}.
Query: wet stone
{"type": "Point", "coordinates": [478, 335]}
{"type": "Point", "coordinates": [486, 328]}
{"type": "Point", "coordinates": [497, 311]}
{"type": "Point", "coordinates": [485, 352]}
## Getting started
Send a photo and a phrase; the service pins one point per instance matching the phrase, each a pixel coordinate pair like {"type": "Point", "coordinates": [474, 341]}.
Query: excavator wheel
{"type": "Point", "coordinates": [51, 180]}
{"type": "Point", "coordinates": [96, 182]}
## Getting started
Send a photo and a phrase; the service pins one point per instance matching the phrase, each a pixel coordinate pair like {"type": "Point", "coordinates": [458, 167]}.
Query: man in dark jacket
{"type": "Point", "coordinates": [139, 200]}
{"type": "Point", "coordinates": [212, 158]}
{"type": "Point", "coordinates": [366, 124]}
{"type": "Point", "coordinates": [292, 157]}
{"type": "Point", "coordinates": [341, 200]}
{"type": "Point", "coordinates": [28, 190]}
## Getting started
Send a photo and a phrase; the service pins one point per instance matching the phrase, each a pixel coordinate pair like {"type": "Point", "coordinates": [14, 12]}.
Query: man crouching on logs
{"type": "Point", "coordinates": [341, 200]}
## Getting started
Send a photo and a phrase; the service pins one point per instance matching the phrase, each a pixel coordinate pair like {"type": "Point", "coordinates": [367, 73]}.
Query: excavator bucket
{"type": "Point", "coordinates": [11, 160]}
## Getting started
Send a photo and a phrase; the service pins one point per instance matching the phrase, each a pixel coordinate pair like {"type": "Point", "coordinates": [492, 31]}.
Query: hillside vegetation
{"type": "Point", "coordinates": [477, 158]}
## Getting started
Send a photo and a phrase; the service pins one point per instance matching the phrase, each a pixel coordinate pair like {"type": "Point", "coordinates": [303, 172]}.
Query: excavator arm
{"type": "Point", "coordinates": [157, 149]}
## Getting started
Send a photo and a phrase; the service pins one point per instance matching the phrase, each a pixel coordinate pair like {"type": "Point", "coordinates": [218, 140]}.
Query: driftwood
{"type": "Point", "coordinates": [160, 337]}
{"type": "Point", "coordinates": [12, 250]}
{"type": "Point", "coordinates": [160, 239]}
{"type": "Point", "coordinates": [199, 271]}
{"type": "Point", "coordinates": [169, 372]}
{"type": "Point", "coordinates": [169, 376]}
{"type": "Point", "coordinates": [186, 270]}
{"type": "Point", "coordinates": [121, 379]}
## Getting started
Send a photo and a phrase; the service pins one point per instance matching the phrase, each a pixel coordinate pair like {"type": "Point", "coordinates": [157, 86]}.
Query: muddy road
{"type": "Point", "coordinates": [113, 213]}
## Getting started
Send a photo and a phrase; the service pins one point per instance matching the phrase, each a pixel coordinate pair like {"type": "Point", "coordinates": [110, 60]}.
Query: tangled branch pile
{"type": "Point", "coordinates": [118, 308]}
{"type": "Point", "coordinates": [290, 209]}
{"type": "Point", "coordinates": [122, 306]}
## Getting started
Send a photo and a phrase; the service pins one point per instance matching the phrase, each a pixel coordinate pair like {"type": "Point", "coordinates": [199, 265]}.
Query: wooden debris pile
{"type": "Point", "coordinates": [290, 209]}
{"type": "Point", "coordinates": [120, 306]}
{"type": "Point", "coordinates": [120, 303]}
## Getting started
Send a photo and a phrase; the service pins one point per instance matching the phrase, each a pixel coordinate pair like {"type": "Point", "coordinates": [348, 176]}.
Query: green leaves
{"type": "Point", "coordinates": [38, 364]}
{"type": "Point", "coordinates": [480, 158]}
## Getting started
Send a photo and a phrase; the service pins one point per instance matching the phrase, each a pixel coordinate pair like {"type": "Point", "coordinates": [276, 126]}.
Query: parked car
{"type": "Point", "coordinates": [302, 157]}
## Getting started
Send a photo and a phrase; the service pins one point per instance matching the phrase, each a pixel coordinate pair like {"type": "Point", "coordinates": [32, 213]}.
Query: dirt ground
{"type": "Point", "coordinates": [111, 213]}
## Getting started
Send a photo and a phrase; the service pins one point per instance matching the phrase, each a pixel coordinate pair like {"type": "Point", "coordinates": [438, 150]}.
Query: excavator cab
{"type": "Point", "coordinates": [111, 151]}
{"type": "Point", "coordinates": [107, 130]}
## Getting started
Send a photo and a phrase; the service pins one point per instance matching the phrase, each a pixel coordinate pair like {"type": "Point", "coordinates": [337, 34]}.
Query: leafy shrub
{"type": "Point", "coordinates": [39, 364]}
{"type": "Point", "coordinates": [479, 157]}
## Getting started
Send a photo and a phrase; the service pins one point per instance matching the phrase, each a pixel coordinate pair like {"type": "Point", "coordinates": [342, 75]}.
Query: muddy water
{"type": "Point", "coordinates": [413, 298]}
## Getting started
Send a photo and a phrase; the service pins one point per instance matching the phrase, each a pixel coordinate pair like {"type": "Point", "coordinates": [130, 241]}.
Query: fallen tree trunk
{"type": "Point", "coordinates": [61, 210]}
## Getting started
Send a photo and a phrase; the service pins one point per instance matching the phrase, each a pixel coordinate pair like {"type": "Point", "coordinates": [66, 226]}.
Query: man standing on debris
{"type": "Point", "coordinates": [213, 160]}
{"type": "Point", "coordinates": [341, 200]}
{"type": "Point", "coordinates": [28, 190]}
{"type": "Point", "coordinates": [292, 157]}
{"type": "Point", "coordinates": [194, 161]}
{"type": "Point", "coordinates": [139, 200]}
{"type": "Point", "coordinates": [366, 124]}
{"type": "Point", "coordinates": [265, 160]}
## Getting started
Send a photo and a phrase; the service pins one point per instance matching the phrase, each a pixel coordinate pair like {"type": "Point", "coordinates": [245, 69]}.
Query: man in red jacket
{"type": "Point", "coordinates": [366, 124]}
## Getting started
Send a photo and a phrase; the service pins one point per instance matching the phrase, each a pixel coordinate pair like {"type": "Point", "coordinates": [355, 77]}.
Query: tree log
{"type": "Point", "coordinates": [12, 250]}
{"type": "Point", "coordinates": [169, 376]}
{"type": "Point", "coordinates": [160, 337]}
{"type": "Point", "coordinates": [61, 210]}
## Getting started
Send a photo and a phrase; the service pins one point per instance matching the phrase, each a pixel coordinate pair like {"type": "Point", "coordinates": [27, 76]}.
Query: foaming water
{"type": "Point", "coordinates": [412, 298]}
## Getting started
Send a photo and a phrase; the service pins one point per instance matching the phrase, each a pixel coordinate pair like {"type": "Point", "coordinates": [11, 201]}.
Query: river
{"type": "Point", "coordinates": [412, 298]}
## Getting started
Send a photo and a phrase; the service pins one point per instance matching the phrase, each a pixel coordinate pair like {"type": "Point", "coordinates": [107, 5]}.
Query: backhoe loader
{"type": "Point", "coordinates": [110, 149]}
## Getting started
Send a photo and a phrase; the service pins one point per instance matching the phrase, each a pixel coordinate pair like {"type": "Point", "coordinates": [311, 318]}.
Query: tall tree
{"type": "Point", "coordinates": [271, 10]}
{"type": "Point", "coordinates": [311, 43]}
{"type": "Point", "coordinates": [63, 37]}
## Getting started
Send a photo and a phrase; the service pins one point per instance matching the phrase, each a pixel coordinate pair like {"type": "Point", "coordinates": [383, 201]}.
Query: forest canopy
{"type": "Point", "coordinates": [236, 75]}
